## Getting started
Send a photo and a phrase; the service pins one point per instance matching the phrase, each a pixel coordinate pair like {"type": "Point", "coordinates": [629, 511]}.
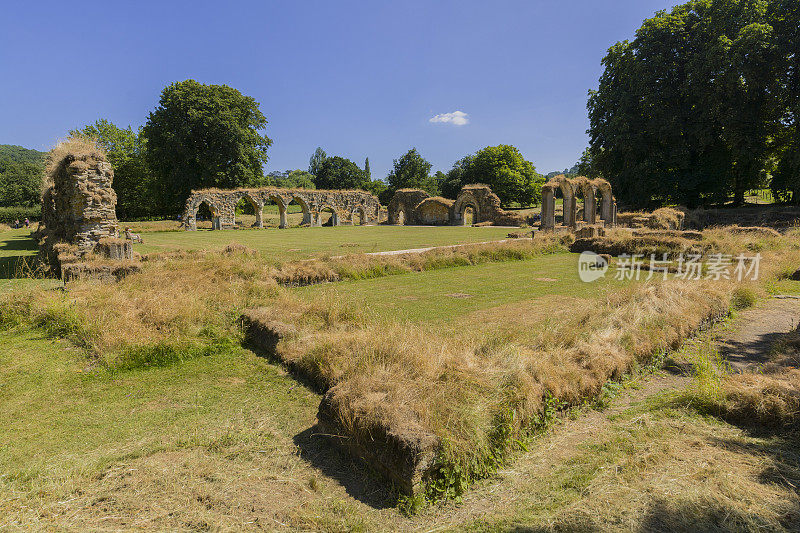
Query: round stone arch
{"type": "Point", "coordinates": [304, 205]}
{"type": "Point", "coordinates": [607, 203]}
{"type": "Point", "coordinates": [256, 203]}
{"type": "Point", "coordinates": [360, 212]}
{"type": "Point", "coordinates": [328, 208]}
{"type": "Point", "coordinates": [465, 200]}
{"type": "Point", "coordinates": [584, 186]}
{"type": "Point", "coordinates": [191, 220]}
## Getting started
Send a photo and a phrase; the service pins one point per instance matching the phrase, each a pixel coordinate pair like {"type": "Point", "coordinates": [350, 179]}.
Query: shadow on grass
{"type": "Point", "coordinates": [12, 265]}
{"type": "Point", "coordinates": [324, 453]}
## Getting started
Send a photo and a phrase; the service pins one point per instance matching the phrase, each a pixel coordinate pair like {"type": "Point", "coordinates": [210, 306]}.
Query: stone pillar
{"type": "Point", "coordinates": [259, 215]}
{"type": "Point", "coordinates": [548, 221]}
{"type": "Point", "coordinates": [569, 210]}
{"type": "Point", "coordinates": [282, 211]}
{"type": "Point", "coordinates": [589, 209]}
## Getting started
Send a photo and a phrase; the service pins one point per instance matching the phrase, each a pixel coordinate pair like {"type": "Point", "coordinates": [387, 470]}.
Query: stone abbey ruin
{"type": "Point", "coordinates": [79, 214]}
{"type": "Point", "coordinates": [417, 207]}
{"type": "Point", "coordinates": [346, 207]}
{"type": "Point", "coordinates": [570, 189]}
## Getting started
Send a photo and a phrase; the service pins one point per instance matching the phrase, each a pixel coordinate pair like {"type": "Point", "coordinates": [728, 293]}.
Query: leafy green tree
{"type": "Point", "coordinates": [317, 158]}
{"type": "Point", "coordinates": [21, 183]}
{"type": "Point", "coordinates": [511, 177]}
{"type": "Point", "coordinates": [689, 110]}
{"type": "Point", "coordinates": [412, 171]}
{"type": "Point", "coordinates": [137, 192]}
{"type": "Point", "coordinates": [204, 136]}
{"type": "Point", "coordinates": [291, 179]}
{"type": "Point", "coordinates": [10, 153]}
{"type": "Point", "coordinates": [785, 18]}
{"type": "Point", "coordinates": [340, 173]}
{"type": "Point", "coordinates": [454, 179]}
{"type": "Point", "coordinates": [367, 171]}
{"type": "Point", "coordinates": [381, 190]}
{"type": "Point", "coordinates": [21, 174]}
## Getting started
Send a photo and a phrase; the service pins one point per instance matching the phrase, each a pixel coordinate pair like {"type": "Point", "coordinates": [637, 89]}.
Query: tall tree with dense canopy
{"type": "Point", "coordinates": [511, 177]}
{"type": "Point", "coordinates": [317, 158]}
{"type": "Point", "coordinates": [21, 173]}
{"type": "Point", "coordinates": [367, 171]}
{"type": "Point", "coordinates": [340, 173]}
{"type": "Point", "coordinates": [785, 17]}
{"type": "Point", "coordinates": [136, 190]}
{"type": "Point", "coordinates": [689, 111]}
{"type": "Point", "coordinates": [204, 136]}
{"type": "Point", "coordinates": [412, 171]}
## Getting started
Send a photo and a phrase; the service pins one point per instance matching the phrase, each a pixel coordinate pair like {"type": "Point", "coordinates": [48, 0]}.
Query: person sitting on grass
{"type": "Point", "coordinates": [133, 237]}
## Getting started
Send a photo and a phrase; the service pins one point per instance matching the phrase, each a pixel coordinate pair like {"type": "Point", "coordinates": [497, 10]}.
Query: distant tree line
{"type": "Point", "coordinates": [202, 136]}
{"type": "Point", "coordinates": [703, 105]}
{"type": "Point", "coordinates": [21, 173]}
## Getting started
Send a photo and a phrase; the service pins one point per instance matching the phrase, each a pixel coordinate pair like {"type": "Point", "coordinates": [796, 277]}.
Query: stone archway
{"type": "Point", "coordinates": [358, 214]}
{"type": "Point", "coordinates": [334, 220]}
{"type": "Point", "coordinates": [567, 188]}
{"type": "Point", "coordinates": [258, 209]}
{"type": "Point", "coordinates": [191, 213]}
{"type": "Point", "coordinates": [340, 202]}
{"type": "Point", "coordinates": [584, 186]}
{"type": "Point", "coordinates": [466, 199]}
{"type": "Point", "coordinates": [608, 206]}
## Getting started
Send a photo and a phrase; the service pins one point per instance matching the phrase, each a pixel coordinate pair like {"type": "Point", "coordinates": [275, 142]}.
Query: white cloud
{"type": "Point", "coordinates": [456, 118]}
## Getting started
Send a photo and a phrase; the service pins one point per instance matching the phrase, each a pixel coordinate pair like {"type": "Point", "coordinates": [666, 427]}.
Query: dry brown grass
{"type": "Point", "coordinates": [770, 396]}
{"type": "Point", "coordinates": [461, 390]}
{"type": "Point", "coordinates": [473, 391]}
{"type": "Point", "coordinates": [74, 150]}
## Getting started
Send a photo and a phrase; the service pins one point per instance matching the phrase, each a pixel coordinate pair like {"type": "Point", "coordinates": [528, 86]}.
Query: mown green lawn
{"type": "Point", "coordinates": [452, 292]}
{"type": "Point", "coordinates": [66, 418]}
{"type": "Point", "coordinates": [17, 252]}
{"type": "Point", "coordinates": [301, 243]}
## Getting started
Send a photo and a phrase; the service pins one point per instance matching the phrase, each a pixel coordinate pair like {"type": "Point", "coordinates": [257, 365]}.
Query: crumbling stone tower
{"type": "Point", "coordinates": [79, 205]}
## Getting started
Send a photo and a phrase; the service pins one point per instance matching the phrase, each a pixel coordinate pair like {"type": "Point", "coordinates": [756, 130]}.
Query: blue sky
{"type": "Point", "coordinates": [361, 79]}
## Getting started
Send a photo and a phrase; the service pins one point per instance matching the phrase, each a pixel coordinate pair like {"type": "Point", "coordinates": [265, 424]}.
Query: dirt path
{"type": "Point", "coordinates": [756, 330]}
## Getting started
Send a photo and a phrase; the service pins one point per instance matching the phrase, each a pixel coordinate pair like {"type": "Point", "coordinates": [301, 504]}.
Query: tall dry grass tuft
{"type": "Point", "coordinates": [75, 148]}
{"type": "Point", "coordinates": [474, 394]}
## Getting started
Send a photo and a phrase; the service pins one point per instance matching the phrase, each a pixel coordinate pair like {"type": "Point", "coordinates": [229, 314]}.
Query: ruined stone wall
{"type": "Point", "coordinates": [79, 206]}
{"type": "Point", "coordinates": [598, 201]}
{"type": "Point", "coordinates": [415, 206]}
{"type": "Point", "coordinates": [347, 207]}
{"type": "Point", "coordinates": [403, 204]}
{"type": "Point", "coordinates": [434, 211]}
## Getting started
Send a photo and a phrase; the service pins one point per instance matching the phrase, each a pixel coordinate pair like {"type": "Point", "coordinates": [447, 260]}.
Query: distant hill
{"type": "Point", "coordinates": [10, 153]}
{"type": "Point", "coordinates": [568, 172]}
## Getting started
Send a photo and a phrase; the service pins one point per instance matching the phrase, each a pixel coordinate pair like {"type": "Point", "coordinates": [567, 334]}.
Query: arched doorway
{"type": "Point", "coordinates": [468, 215]}
{"type": "Point", "coordinates": [247, 213]}
{"type": "Point", "coordinates": [328, 216]}
{"type": "Point", "coordinates": [359, 216]}
{"type": "Point", "coordinates": [401, 217]}
{"type": "Point", "coordinates": [204, 214]}
{"type": "Point", "coordinates": [298, 213]}
{"type": "Point", "coordinates": [274, 212]}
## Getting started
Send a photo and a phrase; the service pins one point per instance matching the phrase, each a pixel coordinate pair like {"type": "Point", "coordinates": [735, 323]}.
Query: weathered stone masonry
{"type": "Point", "coordinates": [571, 188]}
{"type": "Point", "coordinates": [346, 207]}
{"type": "Point", "coordinates": [79, 205]}
{"type": "Point", "coordinates": [415, 206]}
